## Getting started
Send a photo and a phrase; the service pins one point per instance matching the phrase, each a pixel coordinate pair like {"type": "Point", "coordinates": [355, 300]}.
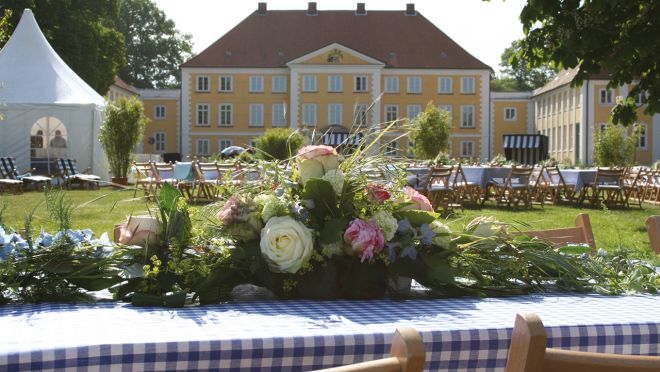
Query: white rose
{"type": "Point", "coordinates": [443, 237]}
{"type": "Point", "coordinates": [387, 223]}
{"type": "Point", "coordinates": [486, 227]}
{"type": "Point", "coordinates": [336, 178]}
{"type": "Point", "coordinates": [286, 244]}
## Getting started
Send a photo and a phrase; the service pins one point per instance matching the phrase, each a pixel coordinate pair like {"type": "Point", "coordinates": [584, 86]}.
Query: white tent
{"type": "Point", "coordinates": [49, 111]}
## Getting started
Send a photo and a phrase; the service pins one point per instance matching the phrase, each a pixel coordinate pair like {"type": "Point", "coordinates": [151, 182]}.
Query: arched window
{"type": "Point", "coordinates": [48, 141]}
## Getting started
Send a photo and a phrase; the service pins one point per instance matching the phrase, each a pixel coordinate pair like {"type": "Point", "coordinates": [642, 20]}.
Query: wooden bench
{"type": "Point", "coordinates": [406, 355]}
{"type": "Point", "coordinates": [581, 233]}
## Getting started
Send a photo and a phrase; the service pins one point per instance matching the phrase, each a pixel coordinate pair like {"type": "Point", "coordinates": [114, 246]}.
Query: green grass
{"type": "Point", "coordinates": [100, 210]}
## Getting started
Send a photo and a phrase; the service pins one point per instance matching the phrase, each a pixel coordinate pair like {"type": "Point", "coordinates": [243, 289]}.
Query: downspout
{"type": "Point", "coordinates": [586, 127]}
{"type": "Point", "coordinates": [180, 107]}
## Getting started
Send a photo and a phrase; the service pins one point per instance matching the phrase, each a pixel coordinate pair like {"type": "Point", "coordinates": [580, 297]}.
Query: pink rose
{"type": "Point", "coordinates": [315, 161]}
{"type": "Point", "coordinates": [419, 201]}
{"type": "Point", "coordinates": [365, 238]}
{"type": "Point", "coordinates": [377, 193]}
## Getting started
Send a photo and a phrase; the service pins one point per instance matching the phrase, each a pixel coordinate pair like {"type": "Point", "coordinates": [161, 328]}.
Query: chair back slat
{"type": "Point", "coordinates": [580, 234]}
{"type": "Point", "coordinates": [7, 168]}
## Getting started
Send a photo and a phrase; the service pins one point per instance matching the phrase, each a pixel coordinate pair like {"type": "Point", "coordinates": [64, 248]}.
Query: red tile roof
{"type": "Point", "coordinates": [279, 36]}
{"type": "Point", "coordinates": [125, 86]}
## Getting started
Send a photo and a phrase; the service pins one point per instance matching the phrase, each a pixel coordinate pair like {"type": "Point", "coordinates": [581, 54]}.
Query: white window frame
{"type": "Point", "coordinates": [309, 84]}
{"type": "Point", "coordinates": [361, 82]}
{"type": "Point", "coordinates": [445, 85]}
{"type": "Point", "coordinates": [641, 98]}
{"type": "Point", "coordinates": [226, 84]}
{"type": "Point", "coordinates": [361, 114]}
{"type": "Point", "coordinates": [256, 115]}
{"type": "Point", "coordinates": [392, 147]}
{"type": "Point", "coordinates": [309, 114]}
{"type": "Point", "coordinates": [450, 111]}
{"type": "Point", "coordinates": [202, 115]}
{"type": "Point", "coordinates": [414, 85]}
{"type": "Point", "coordinates": [335, 83]}
{"type": "Point", "coordinates": [464, 109]}
{"type": "Point", "coordinates": [644, 135]}
{"type": "Point", "coordinates": [468, 85]}
{"type": "Point", "coordinates": [413, 107]}
{"type": "Point", "coordinates": [513, 116]}
{"type": "Point", "coordinates": [607, 98]}
{"type": "Point", "coordinates": [228, 110]}
{"type": "Point", "coordinates": [278, 84]}
{"type": "Point", "coordinates": [203, 84]}
{"type": "Point", "coordinates": [467, 145]}
{"type": "Point", "coordinates": [256, 84]}
{"type": "Point", "coordinates": [386, 110]}
{"type": "Point", "coordinates": [335, 112]}
{"type": "Point", "coordinates": [198, 144]}
{"type": "Point", "coordinates": [223, 143]}
{"type": "Point", "coordinates": [278, 120]}
{"type": "Point", "coordinates": [391, 84]}
{"type": "Point", "coordinates": [158, 115]}
{"type": "Point", "coordinates": [160, 144]}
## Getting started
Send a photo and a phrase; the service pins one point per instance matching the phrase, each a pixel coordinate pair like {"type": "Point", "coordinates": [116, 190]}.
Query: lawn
{"type": "Point", "coordinates": [100, 210]}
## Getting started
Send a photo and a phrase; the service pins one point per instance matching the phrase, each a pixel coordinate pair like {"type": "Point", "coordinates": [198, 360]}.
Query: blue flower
{"type": "Point", "coordinates": [44, 240]}
{"type": "Point", "coordinates": [5, 250]}
{"type": "Point", "coordinates": [391, 250]}
{"type": "Point", "coordinates": [427, 234]}
{"type": "Point", "coordinates": [75, 236]}
{"type": "Point", "coordinates": [409, 252]}
{"type": "Point", "coordinates": [87, 234]}
{"type": "Point", "coordinates": [405, 226]}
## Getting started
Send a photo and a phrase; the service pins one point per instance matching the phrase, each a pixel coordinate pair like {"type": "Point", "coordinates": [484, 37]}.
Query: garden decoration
{"type": "Point", "coordinates": [319, 230]}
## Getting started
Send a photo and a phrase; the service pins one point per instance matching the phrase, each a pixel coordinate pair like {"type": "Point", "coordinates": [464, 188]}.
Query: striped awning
{"type": "Point", "coordinates": [526, 141]}
{"type": "Point", "coordinates": [336, 139]}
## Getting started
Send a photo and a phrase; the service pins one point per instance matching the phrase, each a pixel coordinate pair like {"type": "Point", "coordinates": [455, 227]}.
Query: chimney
{"type": "Point", "coordinates": [311, 8]}
{"type": "Point", "coordinates": [262, 9]}
{"type": "Point", "coordinates": [360, 9]}
{"type": "Point", "coordinates": [410, 9]}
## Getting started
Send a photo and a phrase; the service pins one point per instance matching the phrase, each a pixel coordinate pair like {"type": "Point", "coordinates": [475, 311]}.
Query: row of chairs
{"type": "Point", "coordinates": [528, 352]}
{"type": "Point", "coordinates": [199, 181]}
{"type": "Point", "coordinates": [447, 187]}
{"type": "Point", "coordinates": [13, 180]}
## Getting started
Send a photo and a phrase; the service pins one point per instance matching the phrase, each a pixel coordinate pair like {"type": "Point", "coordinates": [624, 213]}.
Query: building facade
{"type": "Point", "coordinates": [163, 133]}
{"type": "Point", "coordinates": [331, 71]}
{"type": "Point", "coordinates": [571, 116]}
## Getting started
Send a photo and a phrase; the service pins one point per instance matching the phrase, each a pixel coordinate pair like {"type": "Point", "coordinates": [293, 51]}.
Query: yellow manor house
{"type": "Point", "coordinates": [331, 73]}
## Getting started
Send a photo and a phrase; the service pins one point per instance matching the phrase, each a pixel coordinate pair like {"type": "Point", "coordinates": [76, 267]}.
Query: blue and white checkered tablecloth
{"type": "Point", "coordinates": [459, 334]}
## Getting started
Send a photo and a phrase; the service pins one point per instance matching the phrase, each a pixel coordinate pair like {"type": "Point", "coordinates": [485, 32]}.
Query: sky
{"type": "Point", "coordinates": [482, 28]}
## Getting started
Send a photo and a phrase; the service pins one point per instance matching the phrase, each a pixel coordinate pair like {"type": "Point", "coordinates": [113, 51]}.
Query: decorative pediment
{"type": "Point", "coordinates": [335, 54]}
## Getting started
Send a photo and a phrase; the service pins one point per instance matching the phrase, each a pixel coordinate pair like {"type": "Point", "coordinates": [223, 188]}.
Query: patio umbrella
{"type": "Point", "coordinates": [232, 151]}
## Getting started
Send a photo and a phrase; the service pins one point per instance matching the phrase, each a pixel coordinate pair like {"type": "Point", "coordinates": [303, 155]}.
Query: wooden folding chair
{"type": "Point", "coordinates": [632, 189]}
{"type": "Point", "coordinates": [607, 188]}
{"type": "Point", "coordinates": [164, 173]}
{"type": "Point", "coordinates": [208, 178]}
{"type": "Point", "coordinates": [70, 175]}
{"type": "Point", "coordinates": [538, 184]}
{"type": "Point", "coordinates": [145, 176]}
{"type": "Point", "coordinates": [529, 353]}
{"type": "Point", "coordinates": [440, 188]}
{"type": "Point", "coordinates": [516, 188]}
{"type": "Point", "coordinates": [652, 189]}
{"type": "Point", "coordinates": [9, 182]}
{"type": "Point", "coordinates": [653, 228]}
{"type": "Point", "coordinates": [556, 188]}
{"type": "Point", "coordinates": [465, 190]}
{"type": "Point", "coordinates": [580, 234]}
{"type": "Point", "coordinates": [407, 354]}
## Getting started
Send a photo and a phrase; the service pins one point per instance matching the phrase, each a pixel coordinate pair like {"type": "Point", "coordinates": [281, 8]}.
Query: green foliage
{"type": "Point", "coordinates": [121, 132]}
{"type": "Point", "coordinates": [154, 47]}
{"type": "Point", "coordinates": [60, 208]}
{"type": "Point", "coordinates": [612, 147]}
{"type": "Point", "coordinates": [430, 132]}
{"type": "Point", "coordinates": [5, 26]}
{"type": "Point", "coordinates": [82, 33]}
{"type": "Point", "coordinates": [520, 76]}
{"type": "Point", "coordinates": [616, 36]}
{"type": "Point", "coordinates": [278, 143]}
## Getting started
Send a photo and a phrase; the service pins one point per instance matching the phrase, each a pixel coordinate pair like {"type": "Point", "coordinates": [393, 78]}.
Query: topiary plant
{"type": "Point", "coordinates": [278, 144]}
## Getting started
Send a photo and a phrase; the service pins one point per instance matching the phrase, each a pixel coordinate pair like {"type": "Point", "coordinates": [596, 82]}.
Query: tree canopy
{"type": "Point", "coordinates": [154, 47]}
{"type": "Point", "coordinates": [521, 76]}
{"type": "Point", "coordinates": [81, 32]}
{"type": "Point", "coordinates": [616, 36]}
{"type": "Point", "coordinates": [430, 132]}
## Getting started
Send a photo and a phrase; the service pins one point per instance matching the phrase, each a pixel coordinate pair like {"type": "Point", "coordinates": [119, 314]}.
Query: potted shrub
{"type": "Point", "coordinates": [121, 131]}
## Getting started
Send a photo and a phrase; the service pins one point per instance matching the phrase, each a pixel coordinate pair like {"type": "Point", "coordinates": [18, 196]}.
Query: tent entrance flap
{"type": "Point", "coordinates": [525, 148]}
